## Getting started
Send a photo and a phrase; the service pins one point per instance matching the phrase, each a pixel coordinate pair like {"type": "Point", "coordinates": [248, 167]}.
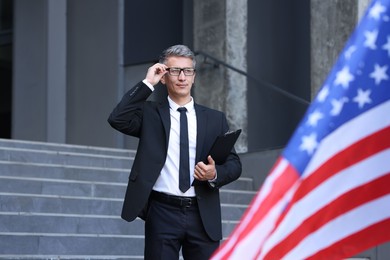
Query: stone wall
{"type": "Point", "coordinates": [220, 31]}
{"type": "Point", "coordinates": [332, 22]}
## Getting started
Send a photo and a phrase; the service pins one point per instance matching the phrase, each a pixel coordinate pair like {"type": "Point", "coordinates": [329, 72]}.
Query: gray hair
{"type": "Point", "coordinates": [177, 51]}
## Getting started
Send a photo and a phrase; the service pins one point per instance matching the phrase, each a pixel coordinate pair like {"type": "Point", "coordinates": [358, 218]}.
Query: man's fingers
{"type": "Point", "coordinates": [211, 160]}
{"type": "Point", "coordinates": [204, 172]}
{"type": "Point", "coordinates": [155, 73]}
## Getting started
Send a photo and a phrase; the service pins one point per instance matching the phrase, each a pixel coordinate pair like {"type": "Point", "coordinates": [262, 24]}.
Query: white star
{"type": "Point", "coordinates": [370, 39]}
{"type": "Point", "coordinates": [376, 11]}
{"type": "Point", "coordinates": [387, 46]}
{"type": "Point", "coordinates": [323, 94]}
{"type": "Point", "coordinates": [349, 51]}
{"type": "Point", "coordinates": [344, 77]}
{"type": "Point", "coordinates": [314, 117]}
{"type": "Point", "coordinates": [309, 143]}
{"type": "Point", "coordinates": [379, 74]}
{"type": "Point", "coordinates": [337, 106]}
{"type": "Point", "coordinates": [363, 97]}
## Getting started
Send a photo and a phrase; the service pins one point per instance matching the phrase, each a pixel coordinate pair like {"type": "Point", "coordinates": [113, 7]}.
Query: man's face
{"type": "Point", "coordinates": [179, 87]}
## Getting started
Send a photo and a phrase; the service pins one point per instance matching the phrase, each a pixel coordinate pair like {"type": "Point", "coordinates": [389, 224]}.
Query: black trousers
{"type": "Point", "coordinates": [170, 228]}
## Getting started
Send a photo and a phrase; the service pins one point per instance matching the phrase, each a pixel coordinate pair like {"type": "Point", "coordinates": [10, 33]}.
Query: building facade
{"type": "Point", "coordinates": [70, 61]}
{"type": "Point", "coordinates": [64, 64]}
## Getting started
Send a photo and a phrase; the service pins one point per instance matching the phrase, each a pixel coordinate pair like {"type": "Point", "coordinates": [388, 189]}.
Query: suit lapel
{"type": "Point", "coordinates": [201, 122]}
{"type": "Point", "coordinates": [163, 109]}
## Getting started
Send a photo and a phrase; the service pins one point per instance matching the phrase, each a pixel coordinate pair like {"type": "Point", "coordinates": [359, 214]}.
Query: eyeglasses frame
{"type": "Point", "coordinates": [180, 70]}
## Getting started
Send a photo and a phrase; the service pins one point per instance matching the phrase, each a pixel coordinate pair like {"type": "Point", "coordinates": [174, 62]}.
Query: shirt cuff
{"type": "Point", "coordinates": [215, 178]}
{"type": "Point", "coordinates": [148, 84]}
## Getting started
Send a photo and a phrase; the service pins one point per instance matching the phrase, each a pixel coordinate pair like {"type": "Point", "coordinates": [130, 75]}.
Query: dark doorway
{"type": "Point", "coordinates": [6, 28]}
{"type": "Point", "coordinates": [279, 55]}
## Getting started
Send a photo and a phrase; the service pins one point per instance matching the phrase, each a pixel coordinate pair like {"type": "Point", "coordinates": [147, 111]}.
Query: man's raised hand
{"type": "Point", "coordinates": [155, 73]}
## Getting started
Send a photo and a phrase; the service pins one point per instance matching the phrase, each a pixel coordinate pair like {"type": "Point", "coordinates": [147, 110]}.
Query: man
{"type": "Point", "coordinates": [175, 218]}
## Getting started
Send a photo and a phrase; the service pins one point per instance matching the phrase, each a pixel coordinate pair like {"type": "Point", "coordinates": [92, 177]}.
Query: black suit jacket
{"type": "Point", "coordinates": [150, 121]}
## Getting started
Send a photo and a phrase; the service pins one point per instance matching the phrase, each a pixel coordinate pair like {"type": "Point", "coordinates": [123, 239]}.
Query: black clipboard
{"type": "Point", "coordinates": [221, 148]}
{"type": "Point", "coordinates": [223, 145]}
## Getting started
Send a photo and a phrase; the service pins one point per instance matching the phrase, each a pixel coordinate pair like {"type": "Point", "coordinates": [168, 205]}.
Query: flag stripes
{"type": "Point", "coordinates": [362, 155]}
{"type": "Point", "coordinates": [364, 216]}
{"type": "Point", "coordinates": [334, 178]}
{"type": "Point", "coordinates": [337, 249]}
{"type": "Point", "coordinates": [368, 123]}
{"type": "Point", "coordinates": [328, 195]}
{"type": "Point", "coordinates": [257, 224]}
{"type": "Point", "coordinates": [336, 208]}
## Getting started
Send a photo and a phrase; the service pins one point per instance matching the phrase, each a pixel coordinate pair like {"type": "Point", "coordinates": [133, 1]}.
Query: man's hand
{"type": "Point", "coordinates": [155, 73]}
{"type": "Point", "coordinates": [204, 172]}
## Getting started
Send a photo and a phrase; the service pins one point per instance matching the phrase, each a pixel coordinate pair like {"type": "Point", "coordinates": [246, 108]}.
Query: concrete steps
{"type": "Point", "coordinates": [64, 201]}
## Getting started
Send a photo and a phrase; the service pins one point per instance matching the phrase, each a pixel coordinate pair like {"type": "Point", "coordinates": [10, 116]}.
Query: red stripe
{"type": "Point", "coordinates": [282, 184]}
{"type": "Point", "coordinates": [358, 151]}
{"type": "Point", "coordinates": [348, 201]}
{"type": "Point", "coordinates": [369, 237]}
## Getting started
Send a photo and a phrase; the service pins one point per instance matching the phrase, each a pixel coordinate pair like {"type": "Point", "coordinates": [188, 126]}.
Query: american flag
{"type": "Point", "coordinates": [328, 195]}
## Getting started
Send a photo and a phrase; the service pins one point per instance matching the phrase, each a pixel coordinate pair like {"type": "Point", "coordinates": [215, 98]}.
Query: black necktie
{"type": "Point", "coordinates": [184, 166]}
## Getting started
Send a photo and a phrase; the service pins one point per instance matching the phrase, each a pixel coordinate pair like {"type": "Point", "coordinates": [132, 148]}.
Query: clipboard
{"type": "Point", "coordinates": [223, 145]}
{"type": "Point", "coordinates": [221, 149]}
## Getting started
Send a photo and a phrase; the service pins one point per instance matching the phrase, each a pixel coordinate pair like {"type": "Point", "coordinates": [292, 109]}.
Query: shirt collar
{"type": "Point", "coordinates": [174, 106]}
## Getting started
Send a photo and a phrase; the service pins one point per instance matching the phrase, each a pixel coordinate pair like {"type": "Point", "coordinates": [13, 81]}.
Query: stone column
{"type": "Point", "coordinates": [220, 30]}
{"type": "Point", "coordinates": [332, 22]}
{"type": "Point", "coordinates": [39, 71]}
{"type": "Point", "coordinates": [56, 71]}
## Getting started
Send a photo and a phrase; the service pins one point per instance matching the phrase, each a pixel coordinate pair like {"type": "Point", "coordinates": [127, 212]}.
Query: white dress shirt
{"type": "Point", "coordinates": [168, 181]}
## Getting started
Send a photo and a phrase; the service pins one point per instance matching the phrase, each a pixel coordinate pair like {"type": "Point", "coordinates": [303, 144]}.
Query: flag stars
{"type": "Point", "coordinates": [330, 133]}
{"type": "Point", "coordinates": [363, 97]}
{"type": "Point", "coordinates": [314, 118]}
{"type": "Point", "coordinates": [323, 94]}
{"type": "Point", "coordinates": [370, 39]}
{"type": "Point", "coordinates": [386, 47]}
{"type": "Point", "coordinates": [344, 77]}
{"type": "Point", "coordinates": [348, 53]}
{"type": "Point", "coordinates": [309, 143]}
{"type": "Point", "coordinates": [337, 106]}
{"type": "Point", "coordinates": [379, 74]}
{"type": "Point", "coordinates": [376, 11]}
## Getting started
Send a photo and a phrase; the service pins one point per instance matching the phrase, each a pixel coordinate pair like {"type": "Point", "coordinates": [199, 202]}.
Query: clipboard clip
{"type": "Point", "coordinates": [229, 132]}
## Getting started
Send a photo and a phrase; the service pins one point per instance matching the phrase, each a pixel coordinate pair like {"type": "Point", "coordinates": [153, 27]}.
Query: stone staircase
{"type": "Point", "coordinates": [64, 201]}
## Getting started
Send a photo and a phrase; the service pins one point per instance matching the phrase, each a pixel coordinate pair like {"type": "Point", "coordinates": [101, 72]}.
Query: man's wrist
{"type": "Point", "coordinates": [147, 83]}
{"type": "Point", "coordinates": [215, 177]}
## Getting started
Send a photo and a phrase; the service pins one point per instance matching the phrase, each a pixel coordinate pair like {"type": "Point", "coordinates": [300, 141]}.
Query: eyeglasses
{"type": "Point", "coordinates": [177, 71]}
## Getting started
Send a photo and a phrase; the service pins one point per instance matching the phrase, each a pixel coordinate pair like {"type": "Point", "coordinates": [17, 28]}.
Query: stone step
{"type": "Point", "coordinates": [64, 202]}
{"type": "Point", "coordinates": [66, 172]}
{"type": "Point", "coordinates": [69, 257]}
{"type": "Point", "coordinates": [242, 183]}
{"type": "Point", "coordinates": [73, 188]}
{"type": "Point", "coordinates": [64, 158]}
{"type": "Point", "coordinates": [65, 148]}
{"type": "Point", "coordinates": [67, 232]}
{"type": "Point", "coordinates": [52, 223]}
{"type": "Point", "coordinates": [11, 202]}
{"type": "Point", "coordinates": [64, 245]}
{"type": "Point", "coordinates": [37, 222]}
{"type": "Point", "coordinates": [93, 174]}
